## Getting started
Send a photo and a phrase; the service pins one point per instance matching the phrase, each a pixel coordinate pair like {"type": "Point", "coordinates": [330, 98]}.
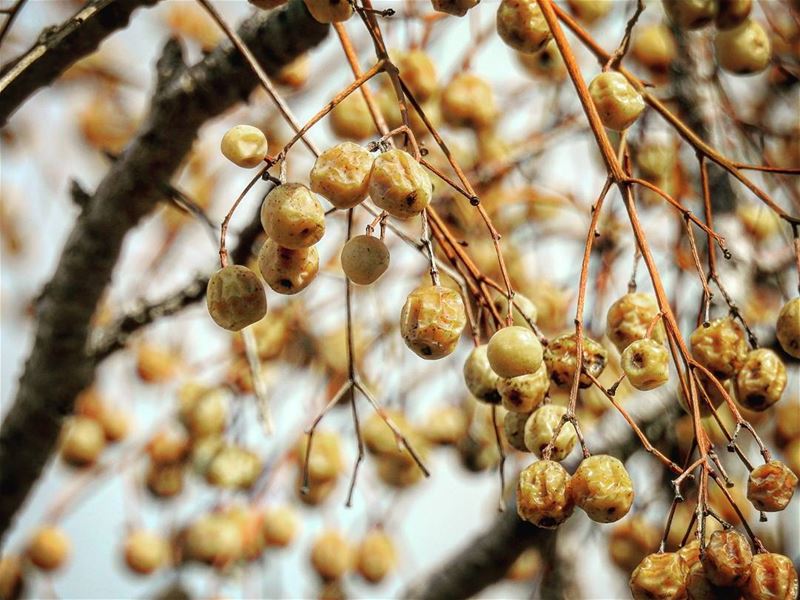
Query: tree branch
{"type": "Point", "coordinates": [59, 365]}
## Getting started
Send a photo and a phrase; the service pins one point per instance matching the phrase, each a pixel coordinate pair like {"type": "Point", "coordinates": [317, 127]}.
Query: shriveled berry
{"type": "Point", "coordinates": [653, 160]}
{"type": "Point", "coordinates": [721, 347]}
{"type": "Point", "coordinates": [772, 577]}
{"type": "Point", "coordinates": [629, 317]}
{"type": "Point", "coordinates": [646, 364]}
{"type": "Point", "coordinates": [418, 73]}
{"type": "Point", "coordinates": [145, 552]}
{"type": "Point", "coordinates": [168, 447]}
{"type": "Point", "coordinates": [743, 50]}
{"type": "Point", "coordinates": [761, 380]}
{"type": "Point", "coordinates": [82, 442]}
{"type": "Point", "coordinates": [287, 271]}
{"type": "Point", "coordinates": [691, 14]}
{"type": "Point", "coordinates": [727, 558]}
{"type": "Point", "coordinates": [732, 13]}
{"type": "Point", "coordinates": [514, 428]}
{"type": "Point", "coordinates": [561, 358]}
{"type": "Point", "coordinates": [540, 428]}
{"type": "Point", "coordinates": [341, 174]}
{"type": "Point", "coordinates": [364, 259]}
{"type": "Point", "coordinates": [514, 351]}
{"type": "Point", "coordinates": [617, 101]}
{"type": "Point", "coordinates": [204, 413]}
{"type": "Point", "coordinates": [233, 467]}
{"type": "Point", "coordinates": [329, 11]}
{"type": "Point", "coordinates": [351, 119]}
{"type": "Point", "coordinates": [457, 8]}
{"type": "Point", "coordinates": [468, 101]}
{"type": "Point", "coordinates": [432, 320]}
{"type": "Point", "coordinates": [49, 548]}
{"type": "Point", "coordinates": [214, 539]}
{"type": "Point", "coordinates": [292, 216]}
{"type": "Point", "coordinates": [602, 488]}
{"type": "Point", "coordinates": [770, 486]}
{"type": "Point", "coordinates": [280, 526]}
{"type": "Point", "coordinates": [542, 496]}
{"type": "Point", "coordinates": [331, 555]}
{"type": "Point", "coordinates": [546, 63]}
{"type": "Point", "coordinates": [165, 481]}
{"type": "Point", "coordinates": [526, 392]}
{"type": "Point", "coordinates": [787, 329]}
{"type": "Point", "coordinates": [399, 184]}
{"type": "Point", "coordinates": [631, 541]}
{"type": "Point", "coordinates": [660, 576]}
{"type": "Point", "coordinates": [521, 25]}
{"type": "Point", "coordinates": [481, 380]}
{"type": "Point", "coordinates": [235, 298]}
{"type": "Point", "coordinates": [376, 556]}
{"type": "Point", "coordinates": [698, 586]}
{"type": "Point", "coordinates": [245, 146]}
{"type": "Point", "coordinates": [590, 11]}
{"type": "Point", "coordinates": [653, 45]}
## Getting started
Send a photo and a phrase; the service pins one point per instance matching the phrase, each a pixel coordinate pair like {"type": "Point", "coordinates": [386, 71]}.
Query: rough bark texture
{"type": "Point", "coordinates": [59, 365]}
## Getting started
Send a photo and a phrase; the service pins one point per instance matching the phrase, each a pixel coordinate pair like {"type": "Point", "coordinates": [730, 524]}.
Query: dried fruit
{"type": "Point", "coordinates": [481, 380]}
{"type": "Point", "coordinates": [280, 526]}
{"type": "Point", "coordinates": [169, 446]}
{"type": "Point", "coordinates": [82, 442]}
{"type": "Point", "coordinates": [287, 271]}
{"type": "Point", "coordinates": [540, 428]}
{"type": "Point", "coordinates": [761, 380]}
{"type": "Point", "coordinates": [329, 11]}
{"type": "Point", "coordinates": [691, 14]}
{"type": "Point", "coordinates": [770, 486]}
{"type": "Point", "coordinates": [48, 548]}
{"type": "Point", "coordinates": [468, 101]}
{"type": "Point", "coordinates": [631, 541]}
{"type": "Point", "coordinates": [364, 259]}
{"type": "Point", "coordinates": [514, 428]}
{"type": "Point", "coordinates": [542, 494]}
{"type": "Point", "coordinates": [235, 298]}
{"type": "Point", "coordinates": [432, 320]}
{"type": "Point", "coordinates": [514, 351]}
{"type": "Point", "coordinates": [523, 310]}
{"type": "Point", "coordinates": [661, 576]}
{"type": "Point", "coordinates": [292, 216]}
{"type": "Point", "coordinates": [457, 8]}
{"type": "Point", "coordinates": [727, 558]}
{"type": "Point", "coordinates": [204, 413]}
{"type": "Point", "coordinates": [165, 481]}
{"type": "Point", "coordinates": [787, 329]}
{"type": "Point", "coordinates": [233, 467]}
{"type": "Point", "coordinates": [376, 556]}
{"type": "Point", "coordinates": [351, 119]}
{"type": "Point", "coordinates": [418, 73]}
{"type": "Point", "coordinates": [743, 50]}
{"type": "Point", "coordinates": [590, 11]}
{"type": "Point", "coordinates": [653, 45]}
{"type": "Point", "coordinates": [213, 539]}
{"type": "Point", "coordinates": [602, 488]}
{"type": "Point", "coordinates": [646, 364]}
{"type": "Point", "coordinates": [560, 357]}
{"type": "Point", "coordinates": [399, 184]}
{"type": "Point", "coordinates": [245, 146]}
{"type": "Point", "coordinates": [145, 552]}
{"type": "Point", "coordinates": [325, 462]}
{"type": "Point", "coordinates": [341, 174]}
{"type": "Point", "coordinates": [330, 555]}
{"type": "Point", "coordinates": [629, 318]}
{"type": "Point", "coordinates": [654, 159]}
{"type": "Point", "coordinates": [546, 63]}
{"type": "Point", "coordinates": [526, 392]}
{"type": "Point", "coordinates": [521, 25]}
{"type": "Point", "coordinates": [721, 347]}
{"type": "Point", "coordinates": [772, 577]}
{"type": "Point", "coordinates": [616, 100]}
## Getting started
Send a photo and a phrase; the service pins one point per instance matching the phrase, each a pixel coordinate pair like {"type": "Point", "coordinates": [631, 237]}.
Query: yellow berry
{"type": "Point", "coordinates": [761, 380]}
{"type": "Point", "coordinates": [468, 101]}
{"type": "Point", "coordinates": [616, 100]}
{"type": "Point", "coordinates": [653, 45]}
{"type": "Point", "coordinates": [743, 50]}
{"type": "Point", "coordinates": [364, 259]}
{"type": "Point", "coordinates": [432, 320]}
{"type": "Point", "coordinates": [292, 216]}
{"type": "Point", "coordinates": [602, 488]}
{"type": "Point", "coordinates": [341, 174]}
{"type": "Point", "coordinates": [545, 63]}
{"type": "Point", "coordinates": [526, 392]}
{"type": "Point", "coordinates": [457, 8]}
{"type": "Point", "coordinates": [418, 73]}
{"type": "Point", "coordinates": [772, 576]}
{"type": "Point", "coordinates": [83, 441]}
{"type": "Point", "coordinates": [351, 119]}
{"type": "Point", "coordinates": [514, 428]}
{"type": "Point", "coordinates": [399, 184]}
{"type": "Point", "coordinates": [145, 552]}
{"type": "Point", "coordinates": [214, 539]}
{"type": "Point", "coordinates": [521, 25]}
{"type": "Point", "coordinates": [660, 575]}
{"type": "Point", "coordinates": [787, 329]}
{"type": "Point", "coordinates": [629, 317]}
{"type": "Point", "coordinates": [330, 555]}
{"type": "Point", "coordinates": [376, 556]}
{"type": "Point", "coordinates": [732, 13]}
{"type": "Point", "coordinates": [245, 146]}
{"type": "Point", "coordinates": [514, 351]}
{"type": "Point", "coordinates": [721, 347]}
{"type": "Point", "coordinates": [280, 526]}
{"type": "Point", "coordinates": [325, 462]}
{"type": "Point", "coordinates": [49, 548]}
{"type": "Point", "coordinates": [233, 467]}
{"type": "Point", "coordinates": [590, 11]}
{"type": "Point", "coordinates": [645, 364]}
{"type": "Point", "coordinates": [235, 298]}
{"type": "Point", "coordinates": [481, 380]}
{"type": "Point", "coordinates": [329, 11]}
{"type": "Point", "coordinates": [727, 558]}
{"type": "Point", "coordinates": [541, 426]}
{"type": "Point", "coordinates": [561, 359]}
{"type": "Point", "coordinates": [542, 494]}
{"type": "Point", "coordinates": [691, 14]}
{"type": "Point", "coordinates": [287, 271]}
{"type": "Point", "coordinates": [770, 486]}
{"type": "Point", "coordinates": [631, 541]}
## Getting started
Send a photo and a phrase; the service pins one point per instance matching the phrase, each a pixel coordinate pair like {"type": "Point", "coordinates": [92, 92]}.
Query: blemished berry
{"type": "Point", "coordinates": [82, 442]}
{"type": "Point", "coordinates": [616, 100]}
{"type": "Point", "coordinates": [514, 428]}
{"type": "Point", "coordinates": [329, 11]}
{"type": "Point", "coordinates": [770, 486]}
{"type": "Point", "coordinates": [546, 63]}
{"type": "Point", "coordinates": [698, 585]}
{"type": "Point", "coordinates": [399, 184]}
{"type": "Point", "coordinates": [376, 556]}
{"type": "Point", "coordinates": [727, 558]}
{"type": "Point", "coordinates": [541, 426]}
{"type": "Point", "coordinates": [398, 474]}
{"type": "Point", "coordinates": [432, 320]}
{"type": "Point", "coordinates": [145, 552]}
{"type": "Point", "coordinates": [316, 493]}
{"type": "Point", "coordinates": [341, 174]}
{"type": "Point", "coordinates": [378, 438]}
{"type": "Point", "coordinates": [523, 310]}
{"type": "Point", "coordinates": [235, 298]}
{"type": "Point", "coordinates": [468, 101]}
{"type": "Point", "coordinates": [630, 541]}
{"type": "Point", "coordinates": [661, 575]}
{"type": "Point", "coordinates": [331, 555]}
{"type": "Point", "coordinates": [645, 364]}
{"type": "Point", "coordinates": [787, 329]}
{"type": "Point", "coordinates": [542, 494]}
{"type": "Point", "coordinates": [590, 11]}
{"type": "Point", "coordinates": [12, 577]}
{"type": "Point", "coordinates": [292, 216]}
{"type": "Point", "coordinates": [561, 359]}
{"type": "Point", "coordinates": [732, 13]}
{"type": "Point", "coordinates": [602, 488]}
{"type": "Point", "coordinates": [245, 146]}
{"type": "Point", "coordinates": [691, 14]}
{"type": "Point", "coordinates": [772, 576]}
{"type": "Point", "coordinates": [418, 73]}
{"type": "Point", "coordinates": [521, 25]}
{"type": "Point", "coordinates": [743, 50]}
{"type": "Point", "coordinates": [364, 259]}
{"type": "Point", "coordinates": [165, 481]}
{"type": "Point", "coordinates": [526, 392]}
{"type": "Point", "coordinates": [326, 462]}
{"type": "Point", "coordinates": [653, 45]}
{"type": "Point", "coordinates": [287, 271]}
{"type": "Point", "coordinates": [654, 159]}
{"type": "Point", "coordinates": [280, 526]}
{"type": "Point", "coordinates": [48, 548]}
{"type": "Point", "coordinates": [514, 351]}
{"type": "Point", "coordinates": [213, 539]}
{"type": "Point", "coordinates": [233, 467]}
{"type": "Point", "coordinates": [721, 347]}
{"type": "Point", "coordinates": [761, 380]}
{"type": "Point", "coordinates": [481, 380]}
{"type": "Point", "coordinates": [629, 317]}
{"type": "Point", "coordinates": [457, 8]}
{"type": "Point", "coordinates": [351, 119]}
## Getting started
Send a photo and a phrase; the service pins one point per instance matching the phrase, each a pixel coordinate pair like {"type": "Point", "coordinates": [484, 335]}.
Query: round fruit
{"type": "Point", "coordinates": [235, 298]}
{"type": "Point", "coordinates": [468, 101]}
{"type": "Point", "coordinates": [521, 25]}
{"type": "Point", "coordinates": [83, 441]}
{"type": "Point", "coordinates": [399, 184]}
{"type": "Point", "coordinates": [204, 414]}
{"type": "Point", "coordinates": [616, 100]}
{"type": "Point", "coordinates": [280, 526]}
{"type": "Point", "coordinates": [432, 320]}
{"type": "Point", "coordinates": [602, 488]}
{"type": "Point", "coordinates": [690, 14]}
{"type": "Point", "coordinates": [169, 446]}
{"type": "Point", "coordinates": [330, 555]}
{"type": "Point", "coordinates": [292, 216]}
{"type": "Point", "coordinates": [445, 425]}
{"type": "Point", "coordinates": [542, 494]}
{"type": "Point", "coordinates": [326, 462]}
{"type": "Point", "coordinates": [523, 310]}
{"type": "Point", "coordinates": [233, 467]}
{"type": "Point", "coordinates": [418, 73]}
{"type": "Point", "coordinates": [721, 347]}
{"type": "Point", "coordinates": [631, 541]}
{"type": "Point", "coordinates": [287, 271]}
{"type": "Point", "coordinates": [481, 380]}
{"type": "Point", "coordinates": [653, 160]}
{"type": "Point", "coordinates": [761, 380]}
{"type": "Point", "coordinates": [457, 8]}
{"type": "Point", "coordinates": [245, 146]}
{"type": "Point", "coordinates": [214, 539]}
{"type": "Point", "coordinates": [526, 392]}
{"type": "Point", "coordinates": [540, 428]}
{"type": "Point", "coordinates": [514, 351]}
{"type": "Point", "coordinates": [560, 357]}
{"type": "Point", "coordinates": [787, 329]}
{"type": "Point", "coordinates": [364, 259]}
{"type": "Point", "coordinates": [732, 13]}
{"type": "Point", "coordinates": [772, 576]}
{"type": "Point", "coordinates": [341, 174]}
{"type": "Point", "coordinates": [646, 364]}
{"type": "Point", "coordinates": [743, 50]}
{"type": "Point", "coordinates": [165, 481]}
{"type": "Point", "coordinates": [546, 63]}
{"type": "Point", "coordinates": [653, 45]}
{"type": "Point", "coordinates": [12, 578]}
{"type": "Point", "coordinates": [770, 486]}
{"type": "Point", "coordinates": [145, 552]}
{"type": "Point", "coordinates": [514, 428]}
{"type": "Point", "coordinates": [660, 575]}
{"type": "Point", "coordinates": [727, 558]}
{"type": "Point", "coordinates": [49, 548]}
{"type": "Point", "coordinates": [590, 11]}
{"type": "Point", "coordinates": [629, 317]}
{"type": "Point", "coordinates": [329, 11]}
{"type": "Point", "coordinates": [351, 119]}
{"type": "Point", "coordinates": [376, 556]}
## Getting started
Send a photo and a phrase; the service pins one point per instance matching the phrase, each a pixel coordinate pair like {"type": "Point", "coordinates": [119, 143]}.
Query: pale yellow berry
{"type": "Point", "coordinates": [770, 486]}
{"type": "Point", "coordinates": [445, 425]}
{"type": "Point", "coordinates": [645, 364]}
{"type": "Point", "coordinates": [145, 552]}
{"type": "Point", "coordinates": [560, 356]}
{"type": "Point", "coordinates": [521, 25]}
{"type": "Point", "coordinates": [341, 174]}
{"type": "Point", "coordinates": [514, 428]}
{"type": "Point", "coordinates": [721, 347]}
{"type": "Point", "coordinates": [234, 467]}
{"type": "Point", "coordinates": [661, 575]}
{"type": "Point", "coordinates": [83, 441]}
{"type": "Point", "coordinates": [653, 45]}
{"type": "Point", "coordinates": [616, 100]}
{"type": "Point", "coordinates": [168, 446]}
{"type": "Point", "coordinates": [49, 548]}
{"type": "Point", "coordinates": [514, 351]}
{"type": "Point", "coordinates": [351, 119]}
{"type": "Point", "coordinates": [761, 380]}
{"type": "Point", "coordinates": [280, 526]}
{"type": "Point", "coordinates": [205, 413]}
{"type": "Point", "coordinates": [418, 73]}
{"type": "Point", "coordinates": [364, 259]}
{"type": "Point", "coordinates": [787, 329]}
{"type": "Point", "coordinates": [523, 311]}
{"type": "Point", "coordinates": [292, 216]}
{"type": "Point", "coordinates": [526, 392]}
{"type": "Point", "coordinates": [213, 539]}
{"type": "Point", "coordinates": [329, 11]}
{"type": "Point", "coordinates": [654, 159]}
{"type": "Point", "coordinates": [468, 101]}
{"type": "Point", "coordinates": [772, 576]}
{"type": "Point", "coordinates": [165, 481]}
{"type": "Point", "coordinates": [287, 271]}
{"type": "Point", "coordinates": [540, 428]}
{"type": "Point", "coordinates": [691, 14]}
{"type": "Point", "coordinates": [432, 320]}
{"type": "Point", "coordinates": [758, 220]}
{"type": "Point", "coordinates": [235, 298]}
{"type": "Point", "coordinates": [331, 555]}
{"type": "Point", "coordinates": [295, 74]}
{"type": "Point", "coordinates": [602, 488]}
{"type": "Point", "coordinates": [743, 50]}
{"type": "Point", "coordinates": [629, 318]}
{"type": "Point", "coordinates": [732, 13]}
{"type": "Point", "coordinates": [630, 541]}
{"type": "Point", "coordinates": [590, 11]}
{"type": "Point", "coordinates": [399, 184]}
{"type": "Point", "coordinates": [376, 556]}
{"type": "Point", "coordinates": [325, 462]}
{"type": "Point", "coordinates": [245, 146]}
{"type": "Point", "coordinates": [727, 558]}
{"type": "Point", "coordinates": [542, 494]}
{"type": "Point", "coordinates": [481, 380]}
{"type": "Point", "coordinates": [457, 8]}
{"type": "Point", "coordinates": [546, 63]}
